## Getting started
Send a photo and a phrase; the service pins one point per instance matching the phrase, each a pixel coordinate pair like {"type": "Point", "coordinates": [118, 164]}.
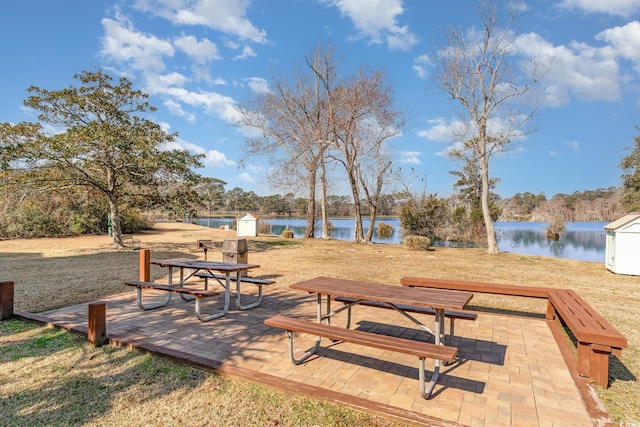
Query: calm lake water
{"type": "Point", "coordinates": [581, 240]}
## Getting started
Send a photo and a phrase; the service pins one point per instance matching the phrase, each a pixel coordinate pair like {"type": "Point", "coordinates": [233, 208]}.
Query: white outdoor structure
{"type": "Point", "coordinates": [247, 225]}
{"type": "Point", "coordinates": [623, 245]}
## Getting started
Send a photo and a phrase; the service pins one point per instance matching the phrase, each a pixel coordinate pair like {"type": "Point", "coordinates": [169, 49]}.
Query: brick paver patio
{"type": "Point", "coordinates": [511, 371]}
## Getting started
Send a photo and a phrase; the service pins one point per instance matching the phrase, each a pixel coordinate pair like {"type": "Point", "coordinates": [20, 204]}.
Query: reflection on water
{"type": "Point", "coordinates": [581, 240]}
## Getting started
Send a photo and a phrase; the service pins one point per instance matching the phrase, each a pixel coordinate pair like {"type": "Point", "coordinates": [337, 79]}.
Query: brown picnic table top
{"type": "Point", "coordinates": [438, 299]}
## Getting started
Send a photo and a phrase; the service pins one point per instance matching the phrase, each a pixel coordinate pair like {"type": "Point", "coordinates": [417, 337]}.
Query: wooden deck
{"type": "Point", "coordinates": [512, 370]}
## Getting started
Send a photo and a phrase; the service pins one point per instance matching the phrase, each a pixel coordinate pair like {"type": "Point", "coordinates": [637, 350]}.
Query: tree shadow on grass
{"type": "Point", "coordinates": [66, 382]}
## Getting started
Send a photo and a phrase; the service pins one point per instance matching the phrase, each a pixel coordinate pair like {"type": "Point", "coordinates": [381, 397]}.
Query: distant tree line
{"type": "Point", "coordinates": [603, 204]}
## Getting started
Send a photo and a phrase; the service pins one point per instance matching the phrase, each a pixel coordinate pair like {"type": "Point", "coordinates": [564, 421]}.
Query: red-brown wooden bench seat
{"type": "Point", "coordinates": [481, 287]}
{"type": "Point", "coordinates": [596, 338]}
{"type": "Point", "coordinates": [420, 349]}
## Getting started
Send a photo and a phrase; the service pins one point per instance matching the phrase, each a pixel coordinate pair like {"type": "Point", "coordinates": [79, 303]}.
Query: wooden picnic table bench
{"type": "Point", "coordinates": [206, 275]}
{"type": "Point", "coordinates": [451, 314]}
{"type": "Point", "coordinates": [244, 279]}
{"type": "Point", "coordinates": [420, 349]}
{"type": "Point", "coordinates": [198, 294]}
{"type": "Point", "coordinates": [481, 287]}
{"type": "Point", "coordinates": [596, 337]}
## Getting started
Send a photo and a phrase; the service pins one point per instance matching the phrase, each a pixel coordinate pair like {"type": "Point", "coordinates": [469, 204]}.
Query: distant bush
{"type": "Point", "coordinates": [287, 234]}
{"type": "Point", "coordinates": [555, 228]}
{"type": "Point", "coordinates": [33, 219]}
{"type": "Point", "coordinates": [264, 227]}
{"type": "Point", "coordinates": [384, 230]}
{"type": "Point", "coordinates": [417, 243]}
{"type": "Point", "coordinates": [133, 221]}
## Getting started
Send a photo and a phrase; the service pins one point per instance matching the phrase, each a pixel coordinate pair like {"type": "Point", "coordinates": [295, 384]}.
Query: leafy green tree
{"type": "Point", "coordinates": [630, 166]}
{"type": "Point", "coordinates": [469, 215]}
{"type": "Point", "coordinates": [102, 141]}
{"type": "Point", "coordinates": [211, 191]}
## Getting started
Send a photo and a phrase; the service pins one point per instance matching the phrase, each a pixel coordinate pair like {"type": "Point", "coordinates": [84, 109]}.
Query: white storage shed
{"type": "Point", "coordinates": [623, 245]}
{"type": "Point", "coordinates": [247, 225]}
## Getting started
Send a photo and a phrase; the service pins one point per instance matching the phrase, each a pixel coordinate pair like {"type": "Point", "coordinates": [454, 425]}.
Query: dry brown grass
{"type": "Point", "coordinates": [54, 272]}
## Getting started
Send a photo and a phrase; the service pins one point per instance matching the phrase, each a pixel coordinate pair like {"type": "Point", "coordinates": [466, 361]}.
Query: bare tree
{"type": "Point", "coordinates": [478, 69]}
{"type": "Point", "coordinates": [292, 119]}
{"type": "Point", "coordinates": [364, 118]}
{"type": "Point", "coordinates": [316, 120]}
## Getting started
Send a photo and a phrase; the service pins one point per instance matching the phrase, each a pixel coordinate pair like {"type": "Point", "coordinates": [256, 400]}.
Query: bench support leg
{"type": "Point", "coordinates": [306, 355]}
{"type": "Point", "coordinates": [152, 306]}
{"type": "Point", "coordinates": [426, 391]}
{"type": "Point", "coordinates": [251, 305]}
{"type": "Point", "coordinates": [201, 316]}
{"type": "Point", "coordinates": [593, 362]}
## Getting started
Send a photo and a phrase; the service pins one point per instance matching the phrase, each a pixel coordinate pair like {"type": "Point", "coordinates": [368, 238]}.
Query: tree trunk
{"type": "Point", "coordinates": [358, 234]}
{"type": "Point", "coordinates": [323, 185]}
{"type": "Point", "coordinates": [311, 208]}
{"type": "Point", "coordinates": [492, 242]}
{"type": "Point", "coordinates": [115, 223]}
{"type": "Point", "coordinates": [372, 219]}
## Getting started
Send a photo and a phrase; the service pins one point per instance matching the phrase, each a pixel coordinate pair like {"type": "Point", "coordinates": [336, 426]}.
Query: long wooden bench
{"type": "Point", "coordinates": [452, 315]}
{"type": "Point", "coordinates": [481, 287]}
{"type": "Point", "coordinates": [420, 349]}
{"type": "Point", "coordinates": [596, 338]}
{"type": "Point", "coordinates": [198, 294]}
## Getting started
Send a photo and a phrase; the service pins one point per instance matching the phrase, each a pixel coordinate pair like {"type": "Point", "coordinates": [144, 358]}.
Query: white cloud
{"type": "Point", "coordinates": [442, 130]}
{"type": "Point", "coordinates": [247, 52]}
{"type": "Point", "coordinates": [176, 109]}
{"type": "Point", "coordinates": [377, 20]}
{"type": "Point", "coordinates": [202, 51]}
{"type": "Point", "coordinates": [421, 64]}
{"type": "Point", "coordinates": [258, 84]}
{"type": "Point", "coordinates": [227, 16]}
{"type": "Point", "coordinates": [625, 41]}
{"type": "Point", "coordinates": [584, 71]}
{"type": "Point", "coordinates": [410, 157]}
{"type": "Point", "coordinates": [611, 7]}
{"type": "Point", "coordinates": [245, 177]}
{"type": "Point", "coordinates": [217, 159]}
{"type": "Point", "coordinates": [124, 44]}
{"type": "Point", "coordinates": [574, 145]}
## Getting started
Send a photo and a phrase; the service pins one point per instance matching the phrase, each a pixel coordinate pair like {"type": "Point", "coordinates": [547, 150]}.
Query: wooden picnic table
{"type": "Point", "coordinates": [190, 267]}
{"type": "Point", "coordinates": [392, 296]}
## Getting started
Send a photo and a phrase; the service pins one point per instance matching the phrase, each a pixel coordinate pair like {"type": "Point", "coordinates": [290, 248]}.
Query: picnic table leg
{"type": "Point", "coordinates": [312, 350]}
{"type": "Point", "coordinates": [239, 302]}
{"type": "Point", "coordinates": [438, 328]}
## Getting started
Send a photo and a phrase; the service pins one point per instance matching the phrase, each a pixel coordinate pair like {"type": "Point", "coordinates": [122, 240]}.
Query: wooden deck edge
{"type": "Point", "coordinates": [592, 403]}
{"type": "Point", "coordinates": [315, 393]}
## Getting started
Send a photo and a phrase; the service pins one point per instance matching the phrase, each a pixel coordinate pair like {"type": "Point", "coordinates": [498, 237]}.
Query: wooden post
{"type": "Point", "coordinates": [97, 333]}
{"type": "Point", "coordinates": [6, 300]}
{"type": "Point", "coordinates": [145, 265]}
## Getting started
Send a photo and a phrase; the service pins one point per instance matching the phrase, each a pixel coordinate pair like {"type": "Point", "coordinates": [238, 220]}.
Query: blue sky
{"type": "Point", "coordinates": [199, 58]}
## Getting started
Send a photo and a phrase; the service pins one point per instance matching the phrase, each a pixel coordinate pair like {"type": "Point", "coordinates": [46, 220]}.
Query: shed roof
{"type": "Point", "coordinates": [250, 214]}
{"type": "Point", "coordinates": [621, 222]}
